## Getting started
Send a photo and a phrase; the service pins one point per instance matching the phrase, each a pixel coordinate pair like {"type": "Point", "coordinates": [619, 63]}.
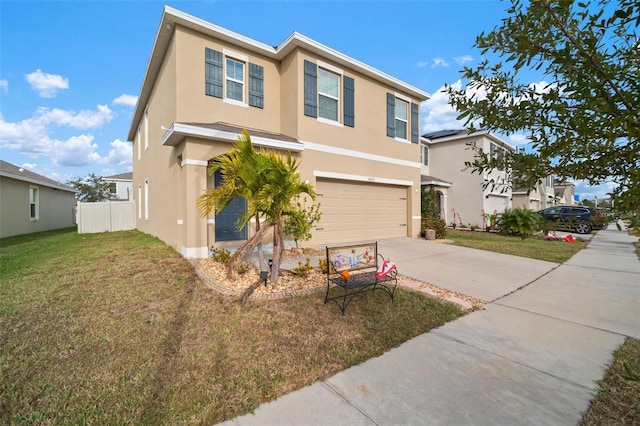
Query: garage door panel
{"type": "Point", "coordinates": [357, 211]}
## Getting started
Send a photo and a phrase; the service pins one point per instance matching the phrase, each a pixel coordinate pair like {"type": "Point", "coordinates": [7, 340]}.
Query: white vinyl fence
{"type": "Point", "coordinates": [105, 216]}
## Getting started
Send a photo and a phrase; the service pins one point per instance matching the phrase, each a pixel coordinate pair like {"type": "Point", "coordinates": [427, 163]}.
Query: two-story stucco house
{"type": "Point", "coordinates": [540, 197]}
{"type": "Point", "coordinates": [353, 129]}
{"type": "Point", "coordinates": [30, 202]}
{"type": "Point", "coordinates": [462, 197]}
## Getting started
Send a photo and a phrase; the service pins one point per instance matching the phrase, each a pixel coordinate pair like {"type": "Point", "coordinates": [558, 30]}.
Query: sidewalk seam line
{"type": "Point", "coordinates": [335, 390]}
{"type": "Point", "coordinates": [526, 284]}
{"type": "Point", "coordinates": [563, 320]}
{"type": "Point", "coordinates": [512, 361]}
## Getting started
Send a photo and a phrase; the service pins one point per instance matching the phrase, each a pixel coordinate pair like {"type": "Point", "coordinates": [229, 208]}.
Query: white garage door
{"type": "Point", "coordinates": [495, 203]}
{"type": "Point", "coordinates": [357, 211]}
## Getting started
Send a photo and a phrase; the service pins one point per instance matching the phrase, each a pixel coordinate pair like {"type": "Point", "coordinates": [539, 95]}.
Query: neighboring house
{"type": "Point", "coordinates": [564, 193]}
{"type": "Point", "coordinates": [538, 198]}
{"type": "Point", "coordinates": [120, 186]}
{"type": "Point", "coordinates": [353, 129]}
{"type": "Point", "coordinates": [31, 203]}
{"type": "Point", "coordinates": [461, 191]}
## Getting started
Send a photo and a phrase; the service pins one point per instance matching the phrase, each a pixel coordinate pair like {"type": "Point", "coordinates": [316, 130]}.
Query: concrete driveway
{"type": "Point", "coordinates": [481, 274]}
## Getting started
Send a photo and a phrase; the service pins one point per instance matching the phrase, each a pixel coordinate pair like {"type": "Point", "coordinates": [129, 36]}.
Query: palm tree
{"type": "Point", "coordinates": [269, 183]}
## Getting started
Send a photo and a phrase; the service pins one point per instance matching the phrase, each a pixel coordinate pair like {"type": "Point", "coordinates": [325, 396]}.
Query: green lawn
{"type": "Point", "coordinates": [116, 328]}
{"type": "Point", "coordinates": [535, 247]}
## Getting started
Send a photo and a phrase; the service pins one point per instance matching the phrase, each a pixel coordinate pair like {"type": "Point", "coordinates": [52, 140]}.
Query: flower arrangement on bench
{"type": "Point", "coordinates": [356, 269]}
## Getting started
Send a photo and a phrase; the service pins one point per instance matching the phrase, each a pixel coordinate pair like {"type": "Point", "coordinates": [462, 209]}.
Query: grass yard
{"type": "Point", "coordinates": [116, 328]}
{"type": "Point", "coordinates": [535, 247]}
{"type": "Point", "coordinates": [618, 399]}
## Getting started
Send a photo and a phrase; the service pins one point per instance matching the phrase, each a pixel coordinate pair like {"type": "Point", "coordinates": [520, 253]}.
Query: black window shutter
{"type": "Point", "coordinates": [349, 102]}
{"type": "Point", "coordinates": [391, 115]}
{"type": "Point", "coordinates": [213, 72]}
{"type": "Point", "coordinates": [415, 123]}
{"type": "Point", "coordinates": [310, 89]}
{"type": "Point", "coordinates": [256, 85]}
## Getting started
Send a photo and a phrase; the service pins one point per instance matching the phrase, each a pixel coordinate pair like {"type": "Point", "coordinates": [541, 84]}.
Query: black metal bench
{"type": "Point", "coordinates": [351, 270]}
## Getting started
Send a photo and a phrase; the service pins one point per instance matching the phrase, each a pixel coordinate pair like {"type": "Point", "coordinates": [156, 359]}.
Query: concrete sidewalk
{"type": "Point", "coordinates": [532, 357]}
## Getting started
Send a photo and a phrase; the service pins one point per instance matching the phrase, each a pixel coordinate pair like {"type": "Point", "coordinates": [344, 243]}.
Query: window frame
{"type": "Point", "coordinates": [34, 203]}
{"type": "Point", "coordinates": [424, 159]}
{"type": "Point", "coordinates": [344, 101]}
{"type": "Point", "coordinates": [410, 123]}
{"type": "Point", "coordinates": [232, 79]}
{"type": "Point", "coordinates": [405, 120]}
{"type": "Point", "coordinates": [338, 79]}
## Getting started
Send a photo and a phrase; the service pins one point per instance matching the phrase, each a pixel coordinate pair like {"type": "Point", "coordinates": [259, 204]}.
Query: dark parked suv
{"type": "Point", "coordinates": [578, 218]}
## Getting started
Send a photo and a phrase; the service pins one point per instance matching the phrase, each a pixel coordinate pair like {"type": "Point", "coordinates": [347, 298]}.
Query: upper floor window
{"type": "Point", "coordinates": [499, 153]}
{"type": "Point", "coordinates": [424, 155]}
{"type": "Point", "coordinates": [233, 84]}
{"type": "Point", "coordinates": [328, 94]}
{"type": "Point", "coordinates": [403, 118]}
{"type": "Point", "coordinates": [323, 97]}
{"type": "Point", "coordinates": [33, 203]}
{"type": "Point", "coordinates": [235, 80]}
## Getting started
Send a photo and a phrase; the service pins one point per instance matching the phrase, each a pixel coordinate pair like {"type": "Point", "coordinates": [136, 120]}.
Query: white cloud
{"type": "Point", "coordinates": [84, 119]}
{"type": "Point", "coordinates": [32, 135]}
{"type": "Point", "coordinates": [29, 166]}
{"type": "Point", "coordinates": [4, 85]}
{"type": "Point", "coordinates": [120, 153]}
{"type": "Point", "coordinates": [438, 114]}
{"type": "Point", "coordinates": [590, 192]}
{"type": "Point", "coordinates": [464, 59]}
{"type": "Point", "coordinates": [518, 140]}
{"type": "Point", "coordinates": [124, 99]}
{"type": "Point", "coordinates": [75, 152]}
{"type": "Point", "coordinates": [422, 64]}
{"type": "Point", "coordinates": [439, 62]}
{"type": "Point", "coordinates": [47, 85]}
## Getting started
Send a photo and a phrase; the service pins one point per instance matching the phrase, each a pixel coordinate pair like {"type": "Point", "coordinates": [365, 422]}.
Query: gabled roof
{"type": "Point", "coordinates": [121, 176]}
{"type": "Point", "coordinates": [451, 135]}
{"type": "Point", "coordinates": [14, 172]}
{"type": "Point", "coordinates": [430, 180]}
{"type": "Point", "coordinates": [444, 133]}
{"type": "Point", "coordinates": [172, 17]}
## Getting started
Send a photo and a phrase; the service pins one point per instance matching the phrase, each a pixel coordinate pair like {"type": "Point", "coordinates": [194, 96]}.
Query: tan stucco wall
{"type": "Point", "coordinates": [194, 106]}
{"type": "Point", "coordinates": [158, 163]}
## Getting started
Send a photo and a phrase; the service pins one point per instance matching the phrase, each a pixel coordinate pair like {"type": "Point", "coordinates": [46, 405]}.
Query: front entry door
{"type": "Point", "coordinates": [226, 218]}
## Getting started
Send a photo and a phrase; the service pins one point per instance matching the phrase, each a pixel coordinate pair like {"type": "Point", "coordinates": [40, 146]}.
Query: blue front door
{"type": "Point", "coordinates": [226, 218]}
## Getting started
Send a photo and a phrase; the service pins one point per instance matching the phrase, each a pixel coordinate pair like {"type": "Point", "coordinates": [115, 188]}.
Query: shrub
{"type": "Point", "coordinates": [432, 222]}
{"type": "Point", "coordinates": [303, 269]}
{"type": "Point", "coordinates": [519, 221]}
{"type": "Point", "coordinates": [221, 255]}
{"type": "Point", "coordinates": [243, 268]}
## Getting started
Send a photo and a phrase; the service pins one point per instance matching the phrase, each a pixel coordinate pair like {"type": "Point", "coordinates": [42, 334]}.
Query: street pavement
{"type": "Point", "coordinates": [533, 356]}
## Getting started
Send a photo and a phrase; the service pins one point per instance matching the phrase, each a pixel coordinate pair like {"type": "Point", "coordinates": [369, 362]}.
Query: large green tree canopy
{"type": "Point", "coordinates": [583, 121]}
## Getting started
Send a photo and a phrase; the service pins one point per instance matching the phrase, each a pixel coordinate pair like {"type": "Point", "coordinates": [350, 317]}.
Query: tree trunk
{"type": "Point", "coordinates": [249, 291]}
{"type": "Point", "coordinates": [245, 250]}
{"type": "Point", "coordinates": [278, 236]}
{"type": "Point", "coordinates": [262, 263]}
{"type": "Point", "coordinates": [275, 268]}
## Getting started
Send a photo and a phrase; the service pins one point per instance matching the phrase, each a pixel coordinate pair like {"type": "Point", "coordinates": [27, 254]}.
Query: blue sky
{"type": "Point", "coordinates": [70, 71]}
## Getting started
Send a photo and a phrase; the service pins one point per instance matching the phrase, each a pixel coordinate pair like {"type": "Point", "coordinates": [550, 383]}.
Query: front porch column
{"type": "Point", "coordinates": [194, 173]}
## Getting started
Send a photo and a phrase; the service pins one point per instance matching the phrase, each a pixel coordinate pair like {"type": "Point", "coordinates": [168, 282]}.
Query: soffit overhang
{"type": "Point", "coordinates": [228, 133]}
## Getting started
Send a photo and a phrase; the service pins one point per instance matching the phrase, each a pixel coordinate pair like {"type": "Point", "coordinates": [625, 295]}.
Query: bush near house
{"type": "Point", "coordinates": [519, 222]}
{"type": "Point", "coordinates": [431, 222]}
